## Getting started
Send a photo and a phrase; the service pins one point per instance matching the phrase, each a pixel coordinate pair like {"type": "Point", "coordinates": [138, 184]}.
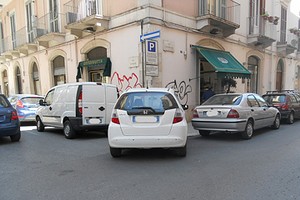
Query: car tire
{"type": "Point", "coordinates": [181, 151]}
{"type": "Point", "coordinates": [248, 132]}
{"type": "Point", "coordinates": [115, 152]}
{"type": "Point", "coordinates": [290, 119]}
{"type": "Point", "coordinates": [39, 125]}
{"type": "Point", "coordinates": [276, 123]}
{"type": "Point", "coordinates": [16, 138]}
{"type": "Point", "coordinates": [204, 133]}
{"type": "Point", "coordinates": [69, 131]}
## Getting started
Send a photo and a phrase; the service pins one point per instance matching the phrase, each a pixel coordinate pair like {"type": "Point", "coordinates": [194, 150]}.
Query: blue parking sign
{"type": "Point", "coordinates": [151, 46]}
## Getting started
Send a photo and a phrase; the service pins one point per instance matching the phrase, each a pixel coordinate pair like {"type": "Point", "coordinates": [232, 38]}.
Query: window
{"type": "Point", "coordinates": [49, 97]}
{"type": "Point", "coordinates": [283, 25]}
{"type": "Point", "coordinates": [261, 101]}
{"type": "Point", "coordinates": [252, 101]}
{"type": "Point", "coordinates": [29, 18]}
{"type": "Point", "coordinates": [53, 11]}
{"type": "Point", "coordinates": [13, 30]}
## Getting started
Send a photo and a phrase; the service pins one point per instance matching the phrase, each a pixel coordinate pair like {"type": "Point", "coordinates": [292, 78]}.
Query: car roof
{"type": "Point", "coordinates": [169, 90]}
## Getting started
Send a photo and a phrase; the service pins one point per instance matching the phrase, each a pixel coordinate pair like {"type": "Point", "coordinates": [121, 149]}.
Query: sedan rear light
{"type": "Point", "coordinates": [284, 106]}
{"type": "Point", "coordinates": [115, 118]}
{"type": "Point", "coordinates": [14, 115]}
{"type": "Point", "coordinates": [177, 117]}
{"type": "Point", "coordinates": [195, 114]}
{"type": "Point", "coordinates": [233, 114]}
{"type": "Point", "coordinates": [20, 104]}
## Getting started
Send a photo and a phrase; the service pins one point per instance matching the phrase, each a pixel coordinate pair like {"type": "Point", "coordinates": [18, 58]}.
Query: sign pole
{"type": "Point", "coordinates": [143, 54]}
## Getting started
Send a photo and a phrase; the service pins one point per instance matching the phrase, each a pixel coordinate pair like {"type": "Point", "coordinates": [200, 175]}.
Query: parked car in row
{"type": "Point", "coordinates": [287, 102]}
{"type": "Point", "coordinates": [77, 107]}
{"type": "Point", "coordinates": [9, 121]}
{"type": "Point", "coordinates": [148, 118]}
{"type": "Point", "coordinates": [235, 112]}
{"type": "Point", "coordinates": [26, 105]}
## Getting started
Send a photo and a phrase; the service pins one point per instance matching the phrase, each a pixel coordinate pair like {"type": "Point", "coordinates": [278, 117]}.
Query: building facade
{"type": "Point", "coordinates": [149, 43]}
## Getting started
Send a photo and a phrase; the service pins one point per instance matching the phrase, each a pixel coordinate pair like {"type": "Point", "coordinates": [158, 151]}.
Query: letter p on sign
{"type": "Point", "coordinates": [151, 46]}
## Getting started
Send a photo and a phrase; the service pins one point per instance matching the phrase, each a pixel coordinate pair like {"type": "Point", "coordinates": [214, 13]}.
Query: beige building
{"type": "Point", "coordinates": [155, 43]}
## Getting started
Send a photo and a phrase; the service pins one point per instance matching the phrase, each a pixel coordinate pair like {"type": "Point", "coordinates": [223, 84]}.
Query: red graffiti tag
{"type": "Point", "coordinates": [124, 83]}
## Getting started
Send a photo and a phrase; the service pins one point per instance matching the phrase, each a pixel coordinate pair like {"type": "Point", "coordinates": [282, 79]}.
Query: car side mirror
{"type": "Point", "coordinates": [41, 102]}
{"type": "Point", "coordinates": [185, 107]}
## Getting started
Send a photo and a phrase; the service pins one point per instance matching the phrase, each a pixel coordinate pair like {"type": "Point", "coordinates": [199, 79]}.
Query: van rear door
{"type": "Point", "coordinates": [93, 104]}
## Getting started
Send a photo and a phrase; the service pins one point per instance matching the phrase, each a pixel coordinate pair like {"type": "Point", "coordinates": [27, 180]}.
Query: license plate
{"type": "Point", "coordinates": [145, 119]}
{"type": "Point", "coordinates": [212, 113]}
{"type": "Point", "coordinates": [94, 120]}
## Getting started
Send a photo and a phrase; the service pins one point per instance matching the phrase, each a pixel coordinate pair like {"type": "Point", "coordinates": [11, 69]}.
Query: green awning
{"type": "Point", "coordinates": [103, 63]}
{"type": "Point", "coordinates": [224, 63]}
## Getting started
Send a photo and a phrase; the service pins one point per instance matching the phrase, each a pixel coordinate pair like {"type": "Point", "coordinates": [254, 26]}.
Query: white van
{"type": "Point", "coordinates": [77, 107]}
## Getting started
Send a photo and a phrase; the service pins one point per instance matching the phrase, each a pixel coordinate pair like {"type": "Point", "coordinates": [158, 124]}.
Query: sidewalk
{"type": "Point", "coordinates": [191, 130]}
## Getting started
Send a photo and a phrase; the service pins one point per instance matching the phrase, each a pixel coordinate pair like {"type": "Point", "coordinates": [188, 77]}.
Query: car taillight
{"type": "Point", "coordinates": [14, 115]}
{"type": "Point", "coordinates": [195, 114]}
{"type": "Point", "coordinates": [80, 102]}
{"type": "Point", "coordinates": [233, 114]}
{"type": "Point", "coordinates": [284, 106]}
{"type": "Point", "coordinates": [115, 118]}
{"type": "Point", "coordinates": [178, 116]}
{"type": "Point", "coordinates": [20, 104]}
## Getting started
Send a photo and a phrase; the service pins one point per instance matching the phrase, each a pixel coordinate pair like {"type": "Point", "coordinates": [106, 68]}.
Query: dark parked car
{"type": "Point", "coordinates": [9, 121]}
{"type": "Point", "coordinates": [26, 106]}
{"type": "Point", "coordinates": [286, 101]}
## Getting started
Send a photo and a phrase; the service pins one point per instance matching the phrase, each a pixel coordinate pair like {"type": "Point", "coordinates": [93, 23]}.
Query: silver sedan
{"type": "Point", "coordinates": [235, 112]}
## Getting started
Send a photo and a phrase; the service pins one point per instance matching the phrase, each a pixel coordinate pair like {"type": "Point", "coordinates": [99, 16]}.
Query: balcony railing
{"type": "Point", "coordinates": [260, 27]}
{"type": "Point", "coordinates": [78, 9]}
{"type": "Point", "coordinates": [49, 23]}
{"type": "Point", "coordinates": [226, 9]}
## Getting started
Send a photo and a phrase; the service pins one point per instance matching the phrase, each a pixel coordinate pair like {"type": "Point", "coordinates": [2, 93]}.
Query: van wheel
{"type": "Point", "coordinates": [39, 125]}
{"type": "Point", "coordinates": [69, 132]}
{"type": "Point", "coordinates": [115, 152]}
{"type": "Point", "coordinates": [248, 132]}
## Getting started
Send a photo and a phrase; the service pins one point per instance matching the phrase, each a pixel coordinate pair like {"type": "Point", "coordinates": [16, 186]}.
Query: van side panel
{"type": "Point", "coordinates": [93, 105]}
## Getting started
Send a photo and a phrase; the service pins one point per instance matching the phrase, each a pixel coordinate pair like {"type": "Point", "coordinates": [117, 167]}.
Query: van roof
{"type": "Point", "coordinates": [85, 83]}
{"type": "Point", "coordinates": [150, 90]}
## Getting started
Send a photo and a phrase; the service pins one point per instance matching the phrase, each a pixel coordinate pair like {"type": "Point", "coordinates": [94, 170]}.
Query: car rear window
{"type": "Point", "coordinates": [224, 100]}
{"type": "Point", "coordinates": [31, 100]}
{"type": "Point", "coordinates": [3, 102]}
{"type": "Point", "coordinates": [158, 101]}
{"type": "Point", "coordinates": [271, 99]}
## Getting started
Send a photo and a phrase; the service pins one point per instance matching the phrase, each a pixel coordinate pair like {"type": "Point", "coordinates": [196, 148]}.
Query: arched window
{"type": "Point", "coordinates": [253, 67]}
{"type": "Point", "coordinates": [19, 89]}
{"type": "Point", "coordinates": [279, 75]}
{"type": "Point", "coordinates": [36, 79]}
{"type": "Point", "coordinates": [95, 74]}
{"type": "Point", "coordinates": [59, 70]}
{"type": "Point", "coordinates": [5, 88]}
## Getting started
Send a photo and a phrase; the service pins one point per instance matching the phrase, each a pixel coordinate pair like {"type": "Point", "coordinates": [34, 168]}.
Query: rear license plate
{"type": "Point", "coordinates": [93, 120]}
{"type": "Point", "coordinates": [145, 119]}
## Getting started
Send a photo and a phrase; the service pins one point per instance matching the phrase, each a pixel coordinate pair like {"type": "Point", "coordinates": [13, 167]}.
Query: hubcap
{"type": "Point", "coordinates": [249, 130]}
{"type": "Point", "coordinates": [67, 130]}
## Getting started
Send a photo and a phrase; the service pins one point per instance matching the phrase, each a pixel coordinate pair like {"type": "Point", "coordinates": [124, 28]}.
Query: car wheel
{"type": "Point", "coordinates": [69, 130]}
{"type": "Point", "coordinates": [115, 152]}
{"type": "Point", "coordinates": [290, 119]}
{"type": "Point", "coordinates": [248, 132]}
{"type": "Point", "coordinates": [204, 133]}
{"type": "Point", "coordinates": [39, 125]}
{"type": "Point", "coordinates": [276, 123]}
{"type": "Point", "coordinates": [16, 138]}
{"type": "Point", "coordinates": [181, 151]}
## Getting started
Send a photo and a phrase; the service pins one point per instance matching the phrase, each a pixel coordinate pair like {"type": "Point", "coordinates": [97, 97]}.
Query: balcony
{"type": "Point", "coordinates": [288, 43]}
{"type": "Point", "coordinates": [218, 19]}
{"type": "Point", "coordinates": [85, 18]}
{"type": "Point", "coordinates": [261, 32]}
{"type": "Point", "coordinates": [49, 30]}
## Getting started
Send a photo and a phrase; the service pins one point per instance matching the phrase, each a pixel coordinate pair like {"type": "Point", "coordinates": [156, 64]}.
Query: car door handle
{"type": "Point", "coordinates": [101, 108]}
{"type": "Point", "coordinates": [252, 110]}
{"type": "Point", "coordinates": [50, 108]}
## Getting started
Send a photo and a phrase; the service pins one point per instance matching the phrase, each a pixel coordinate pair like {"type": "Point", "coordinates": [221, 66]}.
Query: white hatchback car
{"type": "Point", "coordinates": [148, 118]}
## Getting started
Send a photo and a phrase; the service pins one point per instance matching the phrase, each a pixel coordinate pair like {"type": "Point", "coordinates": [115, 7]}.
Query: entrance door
{"type": "Point", "coordinates": [95, 76]}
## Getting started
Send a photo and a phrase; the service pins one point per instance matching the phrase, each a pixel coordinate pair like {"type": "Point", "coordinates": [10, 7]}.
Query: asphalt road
{"type": "Point", "coordinates": [46, 166]}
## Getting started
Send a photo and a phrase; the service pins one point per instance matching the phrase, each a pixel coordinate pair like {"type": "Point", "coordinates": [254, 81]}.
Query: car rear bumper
{"type": "Point", "coordinates": [285, 114]}
{"type": "Point", "coordinates": [177, 138]}
{"type": "Point", "coordinates": [8, 130]}
{"type": "Point", "coordinates": [232, 125]}
{"type": "Point", "coordinates": [76, 123]}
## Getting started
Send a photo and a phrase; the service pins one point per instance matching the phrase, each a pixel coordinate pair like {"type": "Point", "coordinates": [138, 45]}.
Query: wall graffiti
{"type": "Point", "coordinates": [182, 90]}
{"type": "Point", "coordinates": [125, 82]}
